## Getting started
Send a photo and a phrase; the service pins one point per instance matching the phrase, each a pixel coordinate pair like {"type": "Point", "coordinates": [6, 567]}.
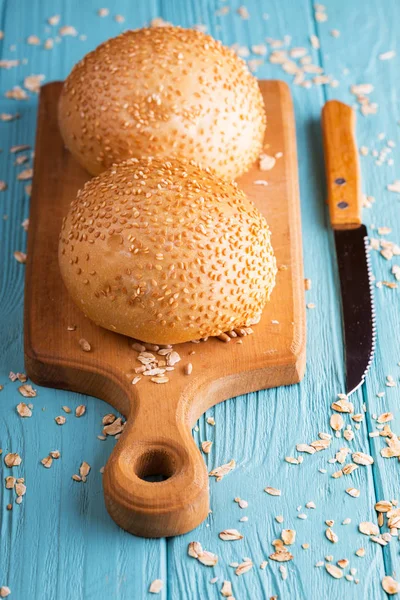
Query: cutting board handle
{"type": "Point", "coordinates": [342, 165]}
{"type": "Point", "coordinates": [157, 441]}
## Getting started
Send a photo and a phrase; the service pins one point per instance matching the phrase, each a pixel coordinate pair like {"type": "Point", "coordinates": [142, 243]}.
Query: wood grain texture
{"type": "Point", "coordinates": [343, 177]}
{"type": "Point", "coordinates": [61, 544]}
{"type": "Point", "coordinates": [158, 437]}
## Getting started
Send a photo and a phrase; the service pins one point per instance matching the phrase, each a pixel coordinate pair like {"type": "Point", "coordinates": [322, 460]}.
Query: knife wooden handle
{"type": "Point", "coordinates": [342, 166]}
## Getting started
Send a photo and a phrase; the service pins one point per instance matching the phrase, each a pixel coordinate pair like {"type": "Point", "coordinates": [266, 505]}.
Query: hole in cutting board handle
{"type": "Point", "coordinates": [154, 466]}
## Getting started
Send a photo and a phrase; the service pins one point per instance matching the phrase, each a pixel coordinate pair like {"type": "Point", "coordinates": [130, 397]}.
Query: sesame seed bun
{"type": "Point", "coordinates": [166, 252]}
{"type": "Point", "coordinates": [165, 92]}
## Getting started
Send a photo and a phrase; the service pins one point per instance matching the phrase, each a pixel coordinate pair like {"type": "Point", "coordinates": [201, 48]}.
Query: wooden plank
{"type": "Point", "coordinates": [275, 355]}
{"type": "Point", "coordinates": [258, 430]}
{"type": "Point", "coordinates": [60, 544]}
{"type": "Point", "coordinates": [384, 212]}
{"type": "Point", "coordinates": [275, 420]}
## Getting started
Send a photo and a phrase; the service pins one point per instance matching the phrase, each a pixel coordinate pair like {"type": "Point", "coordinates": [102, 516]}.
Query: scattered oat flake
{"type": "Point", "coordinates": [9, 64]}
{"type": "Point", "coordinates": [331, 535]}
{"type": "Point", "coordinates": [334, 571]}
{"type": "Point", "coordinates": [20, 257]}
{"type": "Point", "coordinates": [288, 536]}
{"type": "Point", "coordinates": [387, 55]}
{"type": "Point", "coordinates": [156, 586]}
{"type": "Point", "coordinates": [108, 419]}
{"type": "Point", "coordinates": [243, 567]}
{"type": "Point", "coordinates": [281, 554]}
{"type": "Point", "coordinates": [47, 462]}
{"type": "Point", "coordinates": [360, 458]}
{"type": "Point", "coordinates": [385, 417]}
{"type": "Point", "coordinates": [84, 344]}
{"type": "Point", "coordinates": [80, 410]}
{"type": "Point", "coordinates": [314, 42]}
{"type": "Point", "coordinates": [230, 535]}
{"type": "Point", "coordinates": [383, 506]}
{"type": "Point", "coordinates": [362, 89]}
{"type": "Point", "coordinates": [84, 469]}
{"type": "Point", "coordinates": [220, 472]}
{"type": "Point", "coordinates": [206, 446]}
{"type": "Point", "coordinates": [66, 409]}
{"type": "Point", "coordinates": [368, 528]}
{"type": "Point", "coordinates": [159, 22]}
{"type": "Point", "coordinates": [390, 585]}
{"type": "Point", "coordinates": [20, 488]}
{"type": "Point", "coordinates": [159, 379]}
{"type": "Point", "coordinates": [322, 444]}
{"type": "Point", "coordinates": [283, 572]}
{"type": "Point", "coordinates": [4, 589]}
{"type": "Point", "coordinates": [353, 492]}
{"type": "Point", "coordinates": [23, 410]}
{"type": "Point", "coordinates": [27, 391]}
{"type": "Point", "coordinates": [54, 20]}
{"type": "Point", "coordinates": [272, 491]}
{"type": "Point", "coordinates": [207, 558]}
{"type": "Point", "coordinates": [114, 428]}
{"type": "Point", "coordinates": [348, 469]}
{"type": "Point", "coordinates": [60, 420]}
{"type": "Point", "coordinates": [343, 405]}
{"type": "Point", "coordinates": [3, 186]}
{"type": "Point", "coordinates": [336, 422]}
{"type": "Point", "coordinates": [259, 49]}
{"type": "Point", "coordinates": [188, 368]}
{"type": "Point", "coordinates": [16, 93]}
{"type": "Point", "coordinates": [305, 448]}
{"type": "Point", "coordinates": [67, 30]}
{"type": "Point", "coordinates": [12, 460]}
{"type": "Point", "coordinates": [291, 460]}
{"type": "Point", "coordinates": [10, 482]}
{"type": "Point", "coordinates": [33, 40]}
{"type": "Point", "coordinates": [103, 12]}
{"type": "Point", "coordinates": [266, 162]}
{"type": "Point", "coordinates": [33, 82]}
{"type": "Point", "coordinates": [25, 174]}
{"type": "Point", "coordinates": [243, 12]}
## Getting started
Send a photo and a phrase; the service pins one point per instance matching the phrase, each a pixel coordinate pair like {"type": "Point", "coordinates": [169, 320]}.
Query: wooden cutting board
{"type": "Point", "coordinates": [157, 438]}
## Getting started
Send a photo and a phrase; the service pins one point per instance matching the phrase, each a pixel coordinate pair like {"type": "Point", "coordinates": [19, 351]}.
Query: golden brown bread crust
{"type": "Point", "coordinates": [165, 92]}
{"type": "Point", "coordinates": [166, 252]}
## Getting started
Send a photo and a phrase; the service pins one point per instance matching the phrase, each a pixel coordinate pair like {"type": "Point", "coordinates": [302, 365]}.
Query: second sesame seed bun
{"type": "Point", "coordinates": [165, 92]}
{"type": "Point", "coordinates": [166, 252]}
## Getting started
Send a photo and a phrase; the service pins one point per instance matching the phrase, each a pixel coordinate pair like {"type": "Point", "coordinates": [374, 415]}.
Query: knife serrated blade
{"type": "Point", "coordinates": [351, 240]}
{"type": "Point", "coordinates": [352, 249]}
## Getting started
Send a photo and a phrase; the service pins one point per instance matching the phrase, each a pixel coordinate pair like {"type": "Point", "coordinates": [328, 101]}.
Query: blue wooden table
{"type": "Point", "coordinates": [60, 543]}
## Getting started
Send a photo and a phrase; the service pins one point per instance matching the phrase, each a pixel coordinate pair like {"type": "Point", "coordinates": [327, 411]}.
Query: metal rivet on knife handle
{"type": "Point", "coordinates": [342, 167]}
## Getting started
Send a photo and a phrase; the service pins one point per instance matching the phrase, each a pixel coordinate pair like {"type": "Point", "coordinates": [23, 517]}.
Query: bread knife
{"type": "Point", "coordinates": [351, 240]}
